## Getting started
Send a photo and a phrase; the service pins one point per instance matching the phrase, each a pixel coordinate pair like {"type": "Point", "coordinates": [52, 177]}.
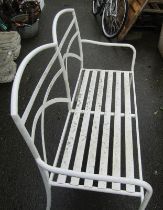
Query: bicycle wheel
{"type": "Point", "coordinates": [113, 18]}
{"type": "Point", "coordinates": [95, 7]}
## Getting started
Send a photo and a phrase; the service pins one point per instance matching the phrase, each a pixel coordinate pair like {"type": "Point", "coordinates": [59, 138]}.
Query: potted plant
{"type": "Point", "coordinates": [26, 21]}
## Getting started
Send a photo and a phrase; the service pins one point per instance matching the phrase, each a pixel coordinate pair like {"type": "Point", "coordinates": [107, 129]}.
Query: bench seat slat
{"type": "Point", "coordinates": [84, 129]}
{"type": "Point", "coordinates": [95, 130]}
{"type": "Point", "coordinates": [116, 168]}
{"type": "Point", "coordinates": [128, 134]}
{"type": "Point", "coordinates": [72, 134]}
{"type": "Point", "coordinates": [106, 131]}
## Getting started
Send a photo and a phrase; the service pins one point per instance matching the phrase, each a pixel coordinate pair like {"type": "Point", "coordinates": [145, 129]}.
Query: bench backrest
{"type": "Point", "coordinates": [71, 35]}
{"type": "Point", "coordinates": [60, 57]}
{"type": "Point", "coordinates": [21, 120]}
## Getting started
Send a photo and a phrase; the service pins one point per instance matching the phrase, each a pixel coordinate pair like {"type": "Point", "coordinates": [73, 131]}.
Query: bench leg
{"type": "Point", "coordinates": [45, 177]}
{"type": "Point", "coordinates": [145, 201]}
{"type": "Point", "coordinates": [48, 196]}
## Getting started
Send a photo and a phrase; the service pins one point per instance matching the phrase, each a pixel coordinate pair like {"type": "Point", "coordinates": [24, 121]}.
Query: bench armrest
{"type": "Point", "coordinates": [98, 177]}
{"type": "Point", "coordinates": [114, 45]}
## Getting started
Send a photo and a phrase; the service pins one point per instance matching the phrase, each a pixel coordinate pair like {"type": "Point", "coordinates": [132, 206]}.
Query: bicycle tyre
{"type": "Point", "coordinates": [95, 7]}
{"type": "Point", "coordinates": [108, 31]}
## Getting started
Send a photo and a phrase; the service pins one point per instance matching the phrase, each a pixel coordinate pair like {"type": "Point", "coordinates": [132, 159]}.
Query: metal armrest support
{"type": "Point", "coordinates": [98, 177]}
{"type": "Point", "coordinates": [114, 45]}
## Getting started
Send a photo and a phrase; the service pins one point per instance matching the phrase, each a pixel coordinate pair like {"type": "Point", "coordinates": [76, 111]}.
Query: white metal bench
{"type": "Point", "coordinates": [108, 82]}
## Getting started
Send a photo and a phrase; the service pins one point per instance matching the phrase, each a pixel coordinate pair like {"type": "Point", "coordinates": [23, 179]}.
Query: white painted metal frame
{"type": "Point", "coordinates": [48, 171]}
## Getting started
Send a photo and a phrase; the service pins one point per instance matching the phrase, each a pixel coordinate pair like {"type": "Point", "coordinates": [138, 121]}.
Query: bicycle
{"type": "Point", "coordinates": [114, 14]}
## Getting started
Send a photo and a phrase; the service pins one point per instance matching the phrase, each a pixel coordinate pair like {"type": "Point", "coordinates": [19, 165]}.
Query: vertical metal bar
{"type": "Point", "coordinates": [106, 131]}
{"type": "Point", "coordinates": [45, 179]}
{"type": "Point", "coordinates": [84, 129]}
{"type": "Point", "coordinates": [79, 39]}
{"type": "Point", "coordinates": [81, 52]}
{"type": "Point", "coordinates": [65, 77]}
{"type": "Point", "coordinates": [117, 133]}
{"type": "Point", "coordinates": [138, 139]}
{"type": "Point", "coordinates": [95, 130]}
{"type": "Point", "coordinates": [72, 134]}
{"type": "Point", "coordinates": [128, 133]}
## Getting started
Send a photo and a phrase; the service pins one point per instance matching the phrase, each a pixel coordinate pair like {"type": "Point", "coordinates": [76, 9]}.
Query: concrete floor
{"type": "Point", "coordinates": [21, 186]}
